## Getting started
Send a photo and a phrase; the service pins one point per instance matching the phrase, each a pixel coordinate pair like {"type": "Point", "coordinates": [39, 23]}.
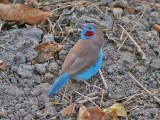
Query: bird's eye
{"type": "Point", "coordinates": [89, 28]}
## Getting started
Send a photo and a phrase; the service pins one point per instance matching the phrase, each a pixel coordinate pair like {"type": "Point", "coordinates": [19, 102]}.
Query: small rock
{"type": "Point", "coordinates": [154, 18]}
{"type": "Point", "coordinates": [143, 36]}
{"type": "Point", "coordinates": [155, 63]}
{"type": "Point", "coordinates": [18, 106]}
{"type": "Point", "coordinates": [30, 55]}
{"type": "Point", "coordinates": [22, 112]}
{"type": "Point", "coordinates": [14, 68]}
{"type": "Point", "coordinates": [48, 38]}
{"type": "Point", "coordinates": [40, 88]}
{"type": "Point", "coordinates": [25, 71]}
{"type": "Point", "coordinates": [28, 117]}
{"type": "Point", "coordinates": [40, 68]}
{"type": "Point", "coordinates": [141, 68]}
{"type": "Point", "coordinates": [13, 80]}
{"type": "Point", "coordinates": [19, 58]}
{"type": "Point", "coordinates": [53, 67]}
{"type": "Point", "coordinates": [48, 77]}
{"type": "Point", "coordinates": [63, 54]}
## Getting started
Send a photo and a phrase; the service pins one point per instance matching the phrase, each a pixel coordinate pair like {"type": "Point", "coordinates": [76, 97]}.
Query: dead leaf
{"type": "Point", "coordinates": [68, 110]}
{"type": "Point", "coordinates": [118, 108]}
{"type": "Point", "coordinates": [23, 13]}
{"type": "Point", "coordinates": [2, 65]}
{"type": "Point", "coordinates": [94, 113]}
{"type": "Point", "coordinates": [46, 51]}
{"type": "Point", "coordinates": [156, 27]}
{"type": "Point", "coordinates": [4, 1]}
{"type": "Point", "coordinates": [83, 114]}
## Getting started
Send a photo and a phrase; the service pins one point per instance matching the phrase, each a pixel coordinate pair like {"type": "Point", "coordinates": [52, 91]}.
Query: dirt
{"type": "Point", "coordinates": [23, 90]}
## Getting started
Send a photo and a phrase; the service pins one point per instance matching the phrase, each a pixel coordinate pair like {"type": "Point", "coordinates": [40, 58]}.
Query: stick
{"type": "Point", "coordinates": [87, 98]}
{"type": "Point", "coordinates": [138, 47]}
{"type": "Point", "coordinates": [103, 80]}
{"type": "Point", "coordinates": [132, 28]}
{"type": "Point", "coordinates": [156, 98]}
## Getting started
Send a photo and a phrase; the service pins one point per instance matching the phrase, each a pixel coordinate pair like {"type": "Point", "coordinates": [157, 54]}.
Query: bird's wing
{"type": "Point", "coordinates": [81, 57]}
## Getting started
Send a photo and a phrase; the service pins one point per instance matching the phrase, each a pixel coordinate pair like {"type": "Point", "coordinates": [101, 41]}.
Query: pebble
{"type": "Point", "coordinates": [19, 58]}
{"type": "Point", "coordinates": [155, 63]}
{"type": "Point", "coordinates": [53, 67]}
{"type": "Point", "coordinates": [18, 106]}
{"type": "Point", "coordinates": [154, 18]}
{"type": "Point", "coordinates": [41, 68]}
{"type": "Point", "coordinates": [48, 38]}
{"type": "Point", "coordinates": [25, 71]}
{"type": "Point", "coordinates": [63, 54]}
{"type": "Point", "coordinates": [31, 54]}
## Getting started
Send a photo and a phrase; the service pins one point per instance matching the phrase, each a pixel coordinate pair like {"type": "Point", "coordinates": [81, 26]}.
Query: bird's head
{"type": "Point", "coordinates": [92, 31]}
{"type": "Point", "coordinates": [88, 31]}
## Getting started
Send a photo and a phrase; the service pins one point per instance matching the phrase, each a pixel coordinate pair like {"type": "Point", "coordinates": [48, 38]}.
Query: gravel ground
{"type": "Point", "coordinates": [23, 90]}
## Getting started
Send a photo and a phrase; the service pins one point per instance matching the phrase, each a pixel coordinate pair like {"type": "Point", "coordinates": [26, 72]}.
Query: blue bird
{"type": "Point", "coordinates": [84, 59]}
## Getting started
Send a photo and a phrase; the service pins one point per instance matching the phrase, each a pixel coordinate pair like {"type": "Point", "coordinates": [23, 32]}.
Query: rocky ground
{"type": "Point", "coordinates": [23, 90]}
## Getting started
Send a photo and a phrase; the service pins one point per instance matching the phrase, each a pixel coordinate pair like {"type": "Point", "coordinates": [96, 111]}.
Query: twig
{"type": "Point", "coordinates": [74, 4]}
{"type": "Point", "coordinates": [157, 5]}
{"type": "Point", "coordinates": [87, 98]}
{"type": "Point", "coordinates": [90, 95]}
{"type": "Point", "coordinates": [138, 47]}
{"type": "Point", "coordinates": [156, 98]}
{"type": "Point", "coordinates": [53, 3]}
{"type": "Point", "coordinates": [134, 17]}
{"type": "Point", "coordinates": [132, 28]}
{"type": "Point", "coordinates": [93, 85]}
{"type": "Point", "coordinates": [51, 26]}
{"type": "Point", "coordinates": [103, 80]}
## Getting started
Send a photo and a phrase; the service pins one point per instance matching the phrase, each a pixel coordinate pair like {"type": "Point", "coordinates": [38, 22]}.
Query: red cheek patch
{"type": "Point", "coordinates": [89, 33]}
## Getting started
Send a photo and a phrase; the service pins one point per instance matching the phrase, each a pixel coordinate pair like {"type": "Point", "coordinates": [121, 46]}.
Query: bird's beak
{"type": "Point", "coordinates": [82, 25]}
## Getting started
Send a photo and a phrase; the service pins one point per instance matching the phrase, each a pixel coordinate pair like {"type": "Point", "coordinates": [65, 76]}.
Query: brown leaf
{"type": "Point", "coordinates": [68, 110]}
{"type": "Point", "coordinates": [22, 13]}
{"type": "Point", "coordinates": [93, 113]}
{"type": "Point", "coordinates": [156, 27]}
{"type": "Point", "coordinates": [83, 113]}
{"type": "Point", "coordinates": [96, 113]}
{"type": "Point", "coordinates": [2, 65]}
{"type": "Point", "coordinates": [47, 51]}
{"type": "Point", "coordinates": [4, 1]}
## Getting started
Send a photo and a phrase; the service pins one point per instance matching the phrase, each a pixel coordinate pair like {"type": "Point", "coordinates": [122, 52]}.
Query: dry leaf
{"type": "Point", "coordinates": [68, 110]}
{"type": "Point", "coordinates": [120, 110]}
{"type": "Point", "coordinates": [46, 51]}
{"type": "Point", "coordinates": [83, 114]}
{"type": "Point", "coordinates": [2, 65]}
{"type": "Point", "coordinates": [4, 1]}
{"type": "Point", "coordinates": [156, 27]}
{"type": "Point", "coordinates": [94, 113]}
{"type": "Point", "coordinates": [23, 13]}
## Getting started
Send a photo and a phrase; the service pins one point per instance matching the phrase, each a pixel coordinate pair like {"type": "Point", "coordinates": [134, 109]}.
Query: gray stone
{"type": "Point", "coordinates": [155, 63]}
{"type": "Point", "coordinates": [53, 67]}
{"type": "Point", "coordinates": [19, 58]}
{"type": "Point", "coordinates": [63, 54]}
{"type": "Point", "coordinates": [18, 106]}
{"type": "Point", "coordinates": [40, 68]}
{"type": "Point", "coordinates": [154, 18]}
{"type": "Point", "coordinates": [48, 38]}
{"type": "Point", "coordinates": [31, 54]}
{"type": "Point", "coordinates": [25, 71]}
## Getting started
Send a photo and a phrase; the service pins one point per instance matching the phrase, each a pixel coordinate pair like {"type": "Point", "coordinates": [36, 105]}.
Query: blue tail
{"type": "Point", "coordinates": [58, 84]}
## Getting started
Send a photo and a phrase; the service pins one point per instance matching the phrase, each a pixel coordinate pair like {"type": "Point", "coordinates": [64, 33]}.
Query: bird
{"type": "Point", "coordinates": [84, 59]}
